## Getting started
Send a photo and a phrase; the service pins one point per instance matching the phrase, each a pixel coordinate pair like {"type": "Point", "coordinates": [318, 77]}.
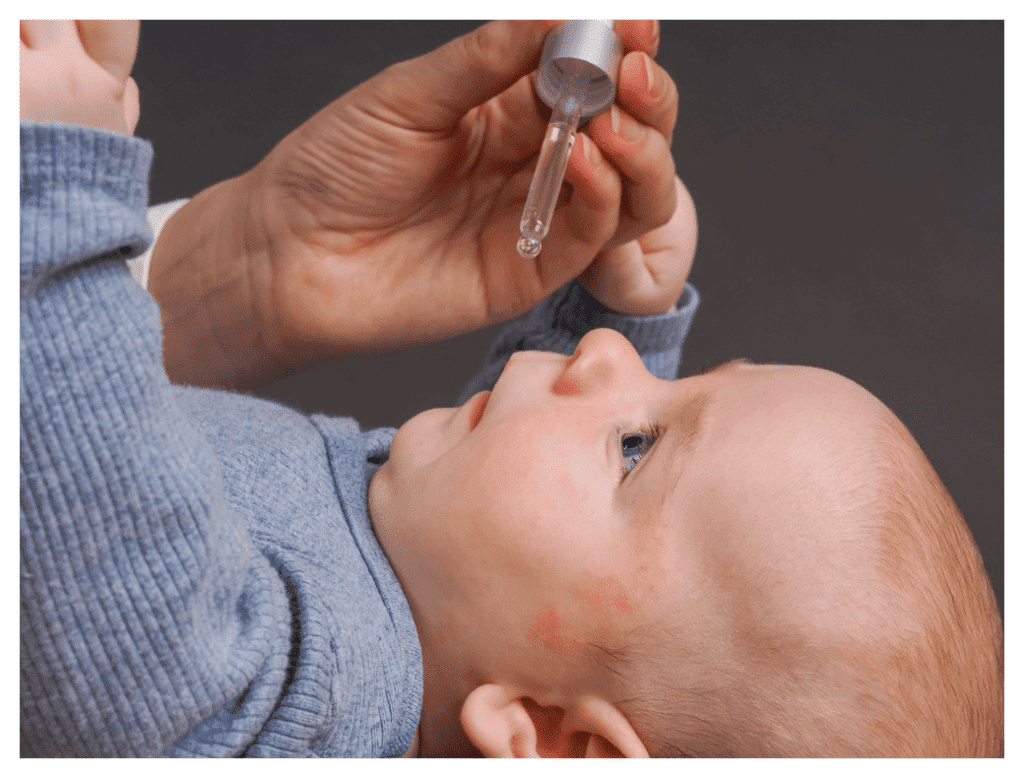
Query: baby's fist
{"type": "Point", "coordinates": [76, 72]}
{"type": "Point", "coordinates": [646, 276]}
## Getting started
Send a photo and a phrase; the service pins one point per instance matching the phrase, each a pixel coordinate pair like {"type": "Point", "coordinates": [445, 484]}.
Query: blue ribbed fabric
{"type": "Point", "coordinates": [198, 572]}
{"type": "Point", "coordinates": [199, 575]}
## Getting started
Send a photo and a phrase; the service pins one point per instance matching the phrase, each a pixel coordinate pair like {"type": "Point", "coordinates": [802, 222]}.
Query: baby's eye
{"type": "Point", "coordinates": [634, 447]}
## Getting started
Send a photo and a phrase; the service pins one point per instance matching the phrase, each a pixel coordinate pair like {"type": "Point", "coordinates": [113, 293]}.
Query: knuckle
{"type": "Point", "coordinates": [669, 106]}
{"type": "Point", "coordinates": [667, 87]}
{"type": "Point", "coordinates": [671, 92]}
{"type": "Point", "coordinates": [484, 47]}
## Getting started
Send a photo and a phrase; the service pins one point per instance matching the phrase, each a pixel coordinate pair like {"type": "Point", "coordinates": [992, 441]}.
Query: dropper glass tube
{"type": "Point", "coordinates": [547, 178]}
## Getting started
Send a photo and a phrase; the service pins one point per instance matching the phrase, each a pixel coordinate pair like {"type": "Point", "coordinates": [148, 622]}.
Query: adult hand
{"type": "Point", "coordinates": [76, 72]}
{"type": "Point", "coordinates": [391, 216]}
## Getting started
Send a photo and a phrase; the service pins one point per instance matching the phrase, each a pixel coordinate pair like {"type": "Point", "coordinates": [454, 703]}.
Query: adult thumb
{"type": "Point", "coordinates": [433, 92]}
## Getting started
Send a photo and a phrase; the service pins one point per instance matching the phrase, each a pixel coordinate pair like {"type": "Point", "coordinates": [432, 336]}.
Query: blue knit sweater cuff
{"type": "Point", "coordinates": [80, 186]}
{"type": "Point", "coordinates": [576, 312]}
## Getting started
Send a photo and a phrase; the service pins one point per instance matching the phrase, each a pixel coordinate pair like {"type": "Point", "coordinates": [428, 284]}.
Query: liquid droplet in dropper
{"type": "Point", "coordinates": [528, 248]}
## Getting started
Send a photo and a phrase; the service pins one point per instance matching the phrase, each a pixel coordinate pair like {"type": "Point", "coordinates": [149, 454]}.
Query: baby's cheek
{"type": "Point", "coordinates": [551, 631]}
{"type": "Point", "coordinates": [522, 479]}
{"type": "Point", "coordinates": [605, 596]}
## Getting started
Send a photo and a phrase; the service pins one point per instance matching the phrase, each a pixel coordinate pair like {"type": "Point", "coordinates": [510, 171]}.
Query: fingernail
{"type": "Point", "coordinates": [624, 128]}
{"type": "Point", "coordinates": [584, 142]}
{"type": "Point", "coordinates": [649, 67]}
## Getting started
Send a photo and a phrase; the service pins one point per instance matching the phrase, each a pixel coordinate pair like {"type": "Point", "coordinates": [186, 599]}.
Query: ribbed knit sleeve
{"type": "Point", "coordinates": [144, 610]}
{"type": "Point", "coordinates": [559, 323]}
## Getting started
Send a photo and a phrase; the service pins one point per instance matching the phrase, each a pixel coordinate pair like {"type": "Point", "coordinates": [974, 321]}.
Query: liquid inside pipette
{"type": "Point", "coordinates": [547, 178]}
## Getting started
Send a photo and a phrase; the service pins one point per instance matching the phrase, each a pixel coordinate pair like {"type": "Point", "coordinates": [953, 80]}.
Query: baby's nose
{"type": "Point", "coordinates": [603, 357]}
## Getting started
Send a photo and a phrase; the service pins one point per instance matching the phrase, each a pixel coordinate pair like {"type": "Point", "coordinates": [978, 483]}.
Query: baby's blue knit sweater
{"type": "Point", "coordinates": [199, 575]}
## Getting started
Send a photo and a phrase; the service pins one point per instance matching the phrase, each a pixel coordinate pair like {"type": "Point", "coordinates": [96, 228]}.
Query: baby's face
{"type": "Point", "coordinates": [584, 498]}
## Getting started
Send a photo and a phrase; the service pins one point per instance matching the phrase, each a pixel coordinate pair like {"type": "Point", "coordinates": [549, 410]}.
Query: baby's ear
{"type": "Point", "coordinates": [609, 732]}
{"type": "Point", "coordinates": [497, 723]}
{"type": "Point", "coordinates": [502, 724]}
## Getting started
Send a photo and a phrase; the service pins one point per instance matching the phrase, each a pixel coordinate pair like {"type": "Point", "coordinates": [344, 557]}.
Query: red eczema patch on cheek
{"type": "Point", "coordinates": [549, 630]}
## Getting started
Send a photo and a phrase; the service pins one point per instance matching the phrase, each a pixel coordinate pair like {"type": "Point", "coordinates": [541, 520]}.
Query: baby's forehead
{"type": "Point", "coordinates": [757, 428]}
{"type": "Point", "coordinates": [762, 433]}
{"type": "Point", "coordinates": [750, 389]}
{"type": "Point", "coordinates": [762, 505]}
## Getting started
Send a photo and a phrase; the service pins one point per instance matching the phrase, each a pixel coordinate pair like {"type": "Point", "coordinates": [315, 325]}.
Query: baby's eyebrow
{"type": "Point", "coordinates": [690, 420]}
{"type": "Point", "coordinates": [684, 432]}
{"type": "Point", "coordinates": [687, 430]}
{"type": "Point", "coordinates": [724, 365]}
{"type": "Point", "coordinates": [689, 426]}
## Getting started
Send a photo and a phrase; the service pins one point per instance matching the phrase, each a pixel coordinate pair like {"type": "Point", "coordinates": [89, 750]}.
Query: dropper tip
{"type": "Point", "coordinates": [528, 248]}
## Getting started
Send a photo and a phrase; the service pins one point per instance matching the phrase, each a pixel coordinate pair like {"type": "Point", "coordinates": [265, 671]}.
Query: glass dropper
{"type": "Point", "coordinates": [547, 178]}
{"type": "Point", "coordinates": [576, 78]}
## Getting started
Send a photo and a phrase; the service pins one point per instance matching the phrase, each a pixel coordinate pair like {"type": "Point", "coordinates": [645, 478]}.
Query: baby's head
{"type": "Point", "coordinates": [754, 561]}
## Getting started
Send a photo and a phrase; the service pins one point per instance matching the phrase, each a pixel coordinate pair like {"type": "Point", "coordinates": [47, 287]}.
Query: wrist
{"type": "Point", "coordinates": [200, 276]}
{"type": "Point", "coordinates": [577, 312]}
{"type": "Point", "coordinates": [643, 308]}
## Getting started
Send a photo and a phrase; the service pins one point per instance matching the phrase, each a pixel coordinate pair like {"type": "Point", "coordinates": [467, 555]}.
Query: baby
{"type": "Point", "coordinates": [757, 561]}
{"type": "Point", "coordinates": [585, 558]}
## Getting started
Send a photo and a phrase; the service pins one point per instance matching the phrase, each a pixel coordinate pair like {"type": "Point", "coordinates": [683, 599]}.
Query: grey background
{"type": "Point", "coordinates": [848, 178]}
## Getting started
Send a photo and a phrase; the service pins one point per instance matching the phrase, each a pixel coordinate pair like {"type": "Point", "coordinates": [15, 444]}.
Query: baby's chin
{"type": "Point", "coordinates": [425, 438]}
{"type": "Point", "coordinates": [378, 494]}
{"type": "Point", "coordinates": [386, 516]}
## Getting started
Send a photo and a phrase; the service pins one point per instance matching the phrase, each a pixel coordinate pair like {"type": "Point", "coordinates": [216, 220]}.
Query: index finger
{"type": "Point", "coordinates": [434, 91]}
{"type": "Point", "coordinates": [112, 44]}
